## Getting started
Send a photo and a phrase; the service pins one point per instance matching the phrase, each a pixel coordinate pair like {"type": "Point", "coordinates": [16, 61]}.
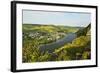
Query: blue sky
{"type": "Point", "coordinates": [56, 18]}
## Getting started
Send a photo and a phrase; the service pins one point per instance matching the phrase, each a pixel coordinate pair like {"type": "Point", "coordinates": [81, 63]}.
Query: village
{"type": "Point", "coordinates": [46, 37]}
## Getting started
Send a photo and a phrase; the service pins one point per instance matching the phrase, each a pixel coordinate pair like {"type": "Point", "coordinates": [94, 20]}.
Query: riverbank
{"type": "Point", "coordinates": [59, 43]}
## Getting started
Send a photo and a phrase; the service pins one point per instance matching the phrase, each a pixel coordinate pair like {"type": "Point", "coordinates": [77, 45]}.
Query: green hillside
{"type": "Point", "coordinates": [79, 48]}
{"type": "Point", "coordinates": [35, 35]}
{"type": "Point", "coordinates": [84, 31]}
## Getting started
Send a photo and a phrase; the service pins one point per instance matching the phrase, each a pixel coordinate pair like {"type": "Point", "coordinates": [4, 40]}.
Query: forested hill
{"type": "Point", "coordinates": [83, 32]}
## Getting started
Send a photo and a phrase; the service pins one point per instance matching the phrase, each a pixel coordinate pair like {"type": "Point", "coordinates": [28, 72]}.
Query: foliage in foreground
{"type": "Point", "coordinates": [31, 53]}
{"type": "Point", "coordinates": [77, 50]}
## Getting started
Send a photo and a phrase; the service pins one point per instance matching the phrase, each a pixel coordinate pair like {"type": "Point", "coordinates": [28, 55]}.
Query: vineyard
{"type": "Point", "coordinates": [77, 46]}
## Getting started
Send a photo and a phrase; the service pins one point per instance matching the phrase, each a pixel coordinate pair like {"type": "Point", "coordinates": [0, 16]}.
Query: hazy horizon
{"type": "Point", "coordinates": [56, 18]}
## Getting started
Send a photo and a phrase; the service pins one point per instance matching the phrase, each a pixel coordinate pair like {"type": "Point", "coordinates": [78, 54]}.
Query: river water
{"type": "Point", "coordinates": [59, 43]}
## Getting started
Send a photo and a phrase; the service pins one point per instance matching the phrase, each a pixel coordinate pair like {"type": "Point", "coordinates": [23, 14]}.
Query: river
{"type": "Point", "coordinates": [59, 43]}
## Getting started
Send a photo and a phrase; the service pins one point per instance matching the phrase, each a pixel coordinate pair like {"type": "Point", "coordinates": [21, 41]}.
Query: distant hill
{"type": "Point", "coordinates": [49, 28]}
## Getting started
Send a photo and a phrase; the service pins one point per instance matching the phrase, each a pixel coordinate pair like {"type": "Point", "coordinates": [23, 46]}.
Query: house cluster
{"type": "Point", "coordinates": [34, 34]}
{"type": "Point", "coordinates": [46, 36]}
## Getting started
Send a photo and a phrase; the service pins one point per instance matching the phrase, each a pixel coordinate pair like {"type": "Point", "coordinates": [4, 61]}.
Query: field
{"type": "Point", "coordinates": [43, 43]}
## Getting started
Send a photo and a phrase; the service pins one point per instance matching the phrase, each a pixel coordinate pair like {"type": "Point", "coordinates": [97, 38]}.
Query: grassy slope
{"type": "Point", "coordinates": [66, 52]}
{"type": "Point", "coordinates": [49, 28]}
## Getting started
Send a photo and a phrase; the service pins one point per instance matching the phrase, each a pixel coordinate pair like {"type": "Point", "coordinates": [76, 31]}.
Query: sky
{"type": "Point", "coordinates": [56, 18]}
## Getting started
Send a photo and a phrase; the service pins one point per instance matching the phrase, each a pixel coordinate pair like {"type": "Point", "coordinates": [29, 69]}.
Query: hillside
{"type": "Point", "coordinates": [83, 31]}
{"type": "Point", "coordinates": [59, 43]}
